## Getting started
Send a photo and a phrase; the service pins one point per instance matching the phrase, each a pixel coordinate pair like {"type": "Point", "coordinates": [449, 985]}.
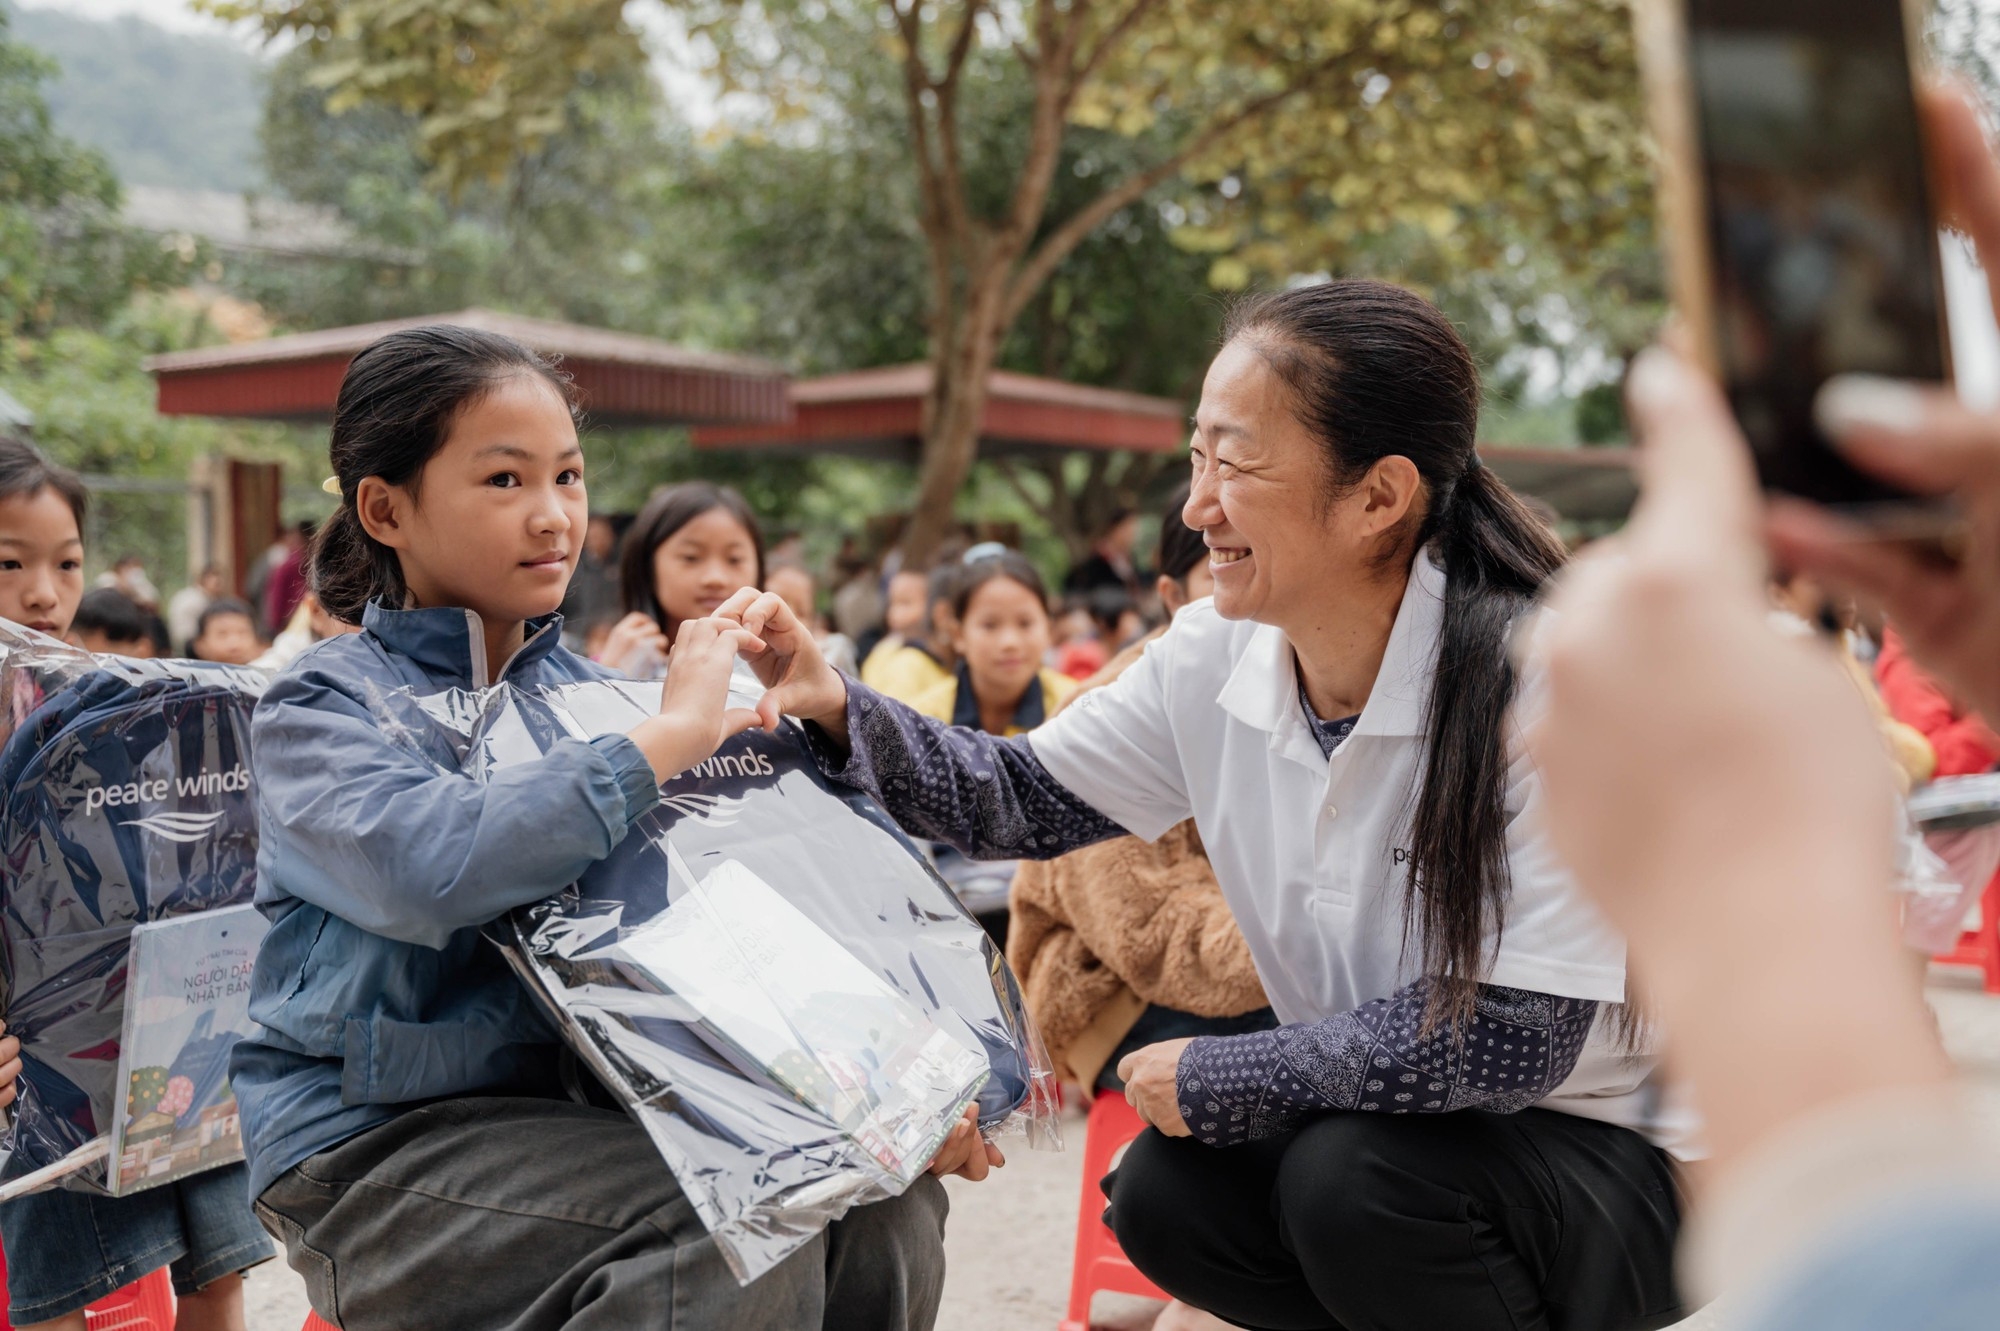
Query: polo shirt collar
{"type": "Point", "coordinates": [1262, 690]}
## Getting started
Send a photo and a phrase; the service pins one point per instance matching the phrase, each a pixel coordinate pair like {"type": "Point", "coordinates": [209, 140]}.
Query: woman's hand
{"type": "Point", "coordinates": [10, 1067]}
{"type": "Point", "coordinates": [966, 1153]}
{"type": "Point", "coordinates": [633, 638]}
{"type": "Point", "coordinates": [694, 717]}
{"type": "Point", "coordinates": [1923, 440]}
{"type": "Point", "coordinates": [1152, 1085]}
{"type": "Point", "coordinates": [797, 679]}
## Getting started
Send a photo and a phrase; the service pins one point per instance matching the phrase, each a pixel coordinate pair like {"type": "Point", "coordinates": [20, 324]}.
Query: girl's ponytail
{"type": "Point", "coordinates": [396, 406]}
{"type": "Point", "coordinates": [348, 569]}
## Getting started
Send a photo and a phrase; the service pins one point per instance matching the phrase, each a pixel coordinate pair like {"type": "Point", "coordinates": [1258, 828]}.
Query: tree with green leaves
{"type": "Point", "coordinates": [1442, 114]}
{"type": "Point", "coordinates": [64, 256]}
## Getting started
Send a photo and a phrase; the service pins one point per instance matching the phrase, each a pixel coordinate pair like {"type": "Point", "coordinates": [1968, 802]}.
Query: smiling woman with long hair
{"type": "Point", "coordinates": [1455, 1126]}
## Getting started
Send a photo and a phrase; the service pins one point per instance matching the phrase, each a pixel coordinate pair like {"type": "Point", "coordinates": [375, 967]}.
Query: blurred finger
{"type": "Point", "coordinates": [1967, 178]}
{"type": "Point", "coordinates": [1811, 540]}
{"type": "Point", "coordinates": [1698, 500]}
{"type": "Point", "coordinates": [1920, 438]}
{"type": "Point", "coordinates": [994, 1157]}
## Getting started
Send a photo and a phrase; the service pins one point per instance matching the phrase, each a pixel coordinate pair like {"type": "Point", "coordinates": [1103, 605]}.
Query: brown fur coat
{"type": "Point", "coordinates": [1102, 932]}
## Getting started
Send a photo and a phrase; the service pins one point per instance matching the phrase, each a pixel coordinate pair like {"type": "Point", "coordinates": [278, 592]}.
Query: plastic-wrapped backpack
{"type": "Point", "coordinates": [127, 799]}
{"type": "Point", "coordinates": [766, 972]}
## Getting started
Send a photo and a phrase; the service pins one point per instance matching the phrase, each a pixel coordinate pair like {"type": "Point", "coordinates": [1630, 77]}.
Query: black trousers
{"type": "Point", "coordinates": [1537, 1221]}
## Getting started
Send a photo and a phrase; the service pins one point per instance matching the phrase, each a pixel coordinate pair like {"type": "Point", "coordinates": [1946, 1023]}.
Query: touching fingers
{"type": "Point", "coordinates": [736, 720]}
{"type": "Point", "coordinates": [738, 602]}
{"type": "Point", "coordinates": [743, 642]}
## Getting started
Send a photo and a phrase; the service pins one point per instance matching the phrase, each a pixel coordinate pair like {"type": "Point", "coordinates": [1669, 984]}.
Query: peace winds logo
{"type": "Point", "coordinates": [719, 810]}
{"type": "Point", "coordinates": [181, 827]}
{"type": "Point", "coordinates": [715, 810]}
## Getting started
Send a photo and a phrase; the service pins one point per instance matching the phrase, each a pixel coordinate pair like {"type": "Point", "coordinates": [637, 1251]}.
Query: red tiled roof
{"type": "Point", "coordinates": [621, 377]}
{"type": "Point", "coordinates": [879, 413]}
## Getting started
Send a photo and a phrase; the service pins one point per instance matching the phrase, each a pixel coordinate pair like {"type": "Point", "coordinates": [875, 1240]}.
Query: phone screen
{"type": "Point", "coordinates": [1820, 227]}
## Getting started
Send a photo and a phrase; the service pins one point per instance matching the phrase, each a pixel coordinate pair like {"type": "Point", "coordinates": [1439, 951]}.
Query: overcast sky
{"type": "Point", "coordinates": [176, 14]}
{"type": "Point", "coordinates": [690, 93]}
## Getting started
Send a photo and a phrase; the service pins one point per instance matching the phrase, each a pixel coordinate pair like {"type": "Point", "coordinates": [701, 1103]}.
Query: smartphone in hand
{"type": "Point", "coordinates": [1798, 221]}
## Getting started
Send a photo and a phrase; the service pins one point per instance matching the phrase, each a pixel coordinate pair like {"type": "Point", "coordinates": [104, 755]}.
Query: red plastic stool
{"type": "Point", "coordinates": [147, 1304]}
{"type": "Point", "coordinates": [1981, 947]}
{"type": "Point", "coordinates": [314, 1322]}
{"type": "Point", "coordinates": [1100, 1264]}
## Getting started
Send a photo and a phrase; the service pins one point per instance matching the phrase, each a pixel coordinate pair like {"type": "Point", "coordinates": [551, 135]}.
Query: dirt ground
{"type": "Point", "coordinates": [1009, 1239]}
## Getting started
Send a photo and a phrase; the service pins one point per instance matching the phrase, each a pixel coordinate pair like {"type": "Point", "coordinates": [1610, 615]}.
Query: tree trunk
{"type": "Point", "coordinates": [950, 445]}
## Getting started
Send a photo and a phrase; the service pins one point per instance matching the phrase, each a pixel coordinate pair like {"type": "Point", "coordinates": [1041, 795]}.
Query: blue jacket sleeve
{"type": "Point", "coordinates": [374, 834]}
{"type": "Point", "coordinates": [1517, 1048]}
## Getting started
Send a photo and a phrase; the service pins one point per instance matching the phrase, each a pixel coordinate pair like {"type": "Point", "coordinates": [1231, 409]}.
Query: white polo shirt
{"type": "Point", "coordinates": [1312, 852]}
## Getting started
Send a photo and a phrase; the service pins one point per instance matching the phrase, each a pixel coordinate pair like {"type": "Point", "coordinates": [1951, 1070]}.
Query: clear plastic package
{"type": "Point", "coordinates": [766, 972]}
{"type": "Point", "coordinates": [127, 799]}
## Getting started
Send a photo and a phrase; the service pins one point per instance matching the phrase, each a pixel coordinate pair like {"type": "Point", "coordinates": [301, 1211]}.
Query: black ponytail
{"type": "Point", "coordinates": [396, 407]}
{"type": "Point", "coordinates": [1376, 371]}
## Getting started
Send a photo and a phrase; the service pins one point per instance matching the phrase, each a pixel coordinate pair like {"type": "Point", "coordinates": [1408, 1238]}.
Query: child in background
{"type": "Point", "coordinates": [1000, 686]}
{"type": "Point", "coordinates": [310, 624]}
{"type": "Point", "coordinates": [227, 633]}
{"type": "Point", "coordinates": [107, 620]}
{"type": "Point", "coordinates": [65, 1249]}
{"type": "Point", "coordinates": [185, 606]}
{"type": "Point", "coordinates": [1964, 745]}
{"type": "Point", "coordinates": [416, 1133]}
{"type": "Point", "coordinates": [690, 549]}
{"type": "Point", "coordinates": [924, 656]}
{"type": "Point", "coordinates": [905, 600]}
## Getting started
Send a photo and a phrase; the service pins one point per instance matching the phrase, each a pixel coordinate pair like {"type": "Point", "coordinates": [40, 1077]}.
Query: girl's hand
{"type": "Point", "coordinates": [10, 1067]}
{"type": "Point", "coordinates": [1152, 1085]}
{"type": "Point", "coordinates": [966, 1153]}
{"type": "Point", "coordinates": [633, 638]}
{"type": "Point", "coordinates": [797, 679]}
{"type": "Point", "coordinates": [694, 717]}
{"type": "Point", "coordinates": [1924, 440]}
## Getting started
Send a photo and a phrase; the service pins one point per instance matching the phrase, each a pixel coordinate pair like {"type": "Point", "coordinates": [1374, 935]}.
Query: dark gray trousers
{"type": "Point", "coordinates": [529, 1215]}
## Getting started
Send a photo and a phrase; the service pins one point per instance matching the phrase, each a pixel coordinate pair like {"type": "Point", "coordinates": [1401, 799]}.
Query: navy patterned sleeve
{"type": "Point", "coordinates": [1518, 1047]}
{"type": "Point", "coordinates": [988, 797]}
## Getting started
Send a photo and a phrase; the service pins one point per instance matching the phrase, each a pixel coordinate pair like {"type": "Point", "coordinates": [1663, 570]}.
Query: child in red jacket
{"type": "Point", "coordinates": [1965, 745]}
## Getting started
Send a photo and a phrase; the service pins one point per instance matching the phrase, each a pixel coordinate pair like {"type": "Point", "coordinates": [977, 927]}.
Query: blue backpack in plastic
{"type": "Point", "coordinates": [125, 797]}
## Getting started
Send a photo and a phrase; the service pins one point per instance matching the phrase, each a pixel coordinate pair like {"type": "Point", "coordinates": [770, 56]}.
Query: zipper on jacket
{"type": "Point", "coordinates": [475, 648]}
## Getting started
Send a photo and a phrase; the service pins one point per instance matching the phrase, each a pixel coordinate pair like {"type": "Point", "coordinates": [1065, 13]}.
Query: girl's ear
{"type": "Point", "coordinates": [384, 511]}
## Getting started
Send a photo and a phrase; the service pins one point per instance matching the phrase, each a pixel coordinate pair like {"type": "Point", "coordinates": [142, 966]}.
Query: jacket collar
{"type": "Point", "coordinates": [1263, 688]}
{"type": "Point", "coordinates": [450, 641]}
{"type": "Point", "coordinates": [1030, 712]}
